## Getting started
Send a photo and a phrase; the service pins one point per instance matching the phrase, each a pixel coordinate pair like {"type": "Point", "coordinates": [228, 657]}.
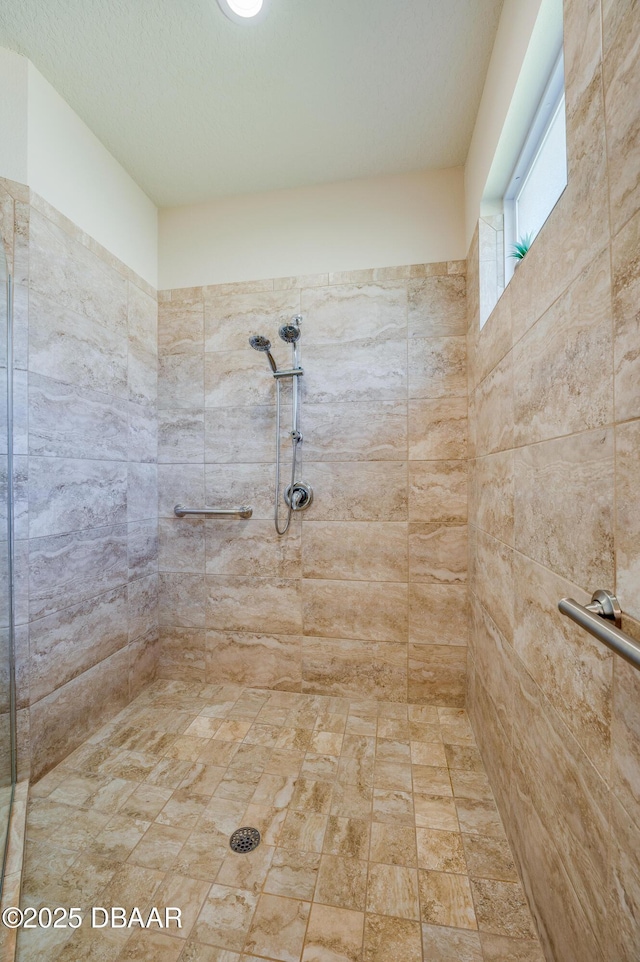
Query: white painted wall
{"type": "Point", "coordinates": [13, 116]}
{"type": "Point", "coordinates": [46, 146]}
{"type": "Point", "coordinates": [73, 171]}
{"type": "Point", "coordinates": [374, 222]}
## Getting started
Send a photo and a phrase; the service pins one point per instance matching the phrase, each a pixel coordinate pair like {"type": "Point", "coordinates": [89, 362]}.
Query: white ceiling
{"type": "Point", "coordinates": [194, 106]}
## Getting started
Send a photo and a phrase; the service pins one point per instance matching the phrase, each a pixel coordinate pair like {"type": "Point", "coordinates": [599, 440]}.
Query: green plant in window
{"type": "Point", "coordinates": [521, 247]}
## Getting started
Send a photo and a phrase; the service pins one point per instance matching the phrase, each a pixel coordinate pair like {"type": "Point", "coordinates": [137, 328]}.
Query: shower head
{"type": "Point", "coordinates": [263, 344]}
{"type": "Point", "coordinates": [259, 343]}
{"type": "Point", "coordinates": [290, 333]}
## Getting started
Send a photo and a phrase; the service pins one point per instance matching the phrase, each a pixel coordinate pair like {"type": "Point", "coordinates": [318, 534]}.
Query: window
{"type": "Point", "coordinates": [540, 174]}
{"type": "Point", "coordinates": [528, 172]}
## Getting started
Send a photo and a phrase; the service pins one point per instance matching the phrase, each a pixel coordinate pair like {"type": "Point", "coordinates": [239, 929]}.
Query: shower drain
{"type": "Point", "coordinates": [244, 840]}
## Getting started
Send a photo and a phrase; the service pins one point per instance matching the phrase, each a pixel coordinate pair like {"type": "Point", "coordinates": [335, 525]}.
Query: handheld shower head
{"type": "Point", "coordinates": [259, 343]}
{"type": "Point", "coordinates": [263, 344]}
{"type": "Point", "coordinates": [290, 332]}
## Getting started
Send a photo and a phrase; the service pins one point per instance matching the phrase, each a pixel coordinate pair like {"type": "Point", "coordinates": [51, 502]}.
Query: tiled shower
{"type": "Point", "coordinates": [440, 765]}
{"type": "Point", "coordinates": [385, 451]}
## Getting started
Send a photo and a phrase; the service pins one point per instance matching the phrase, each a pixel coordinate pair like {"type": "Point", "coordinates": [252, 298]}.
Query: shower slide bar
{"type": "Point", "coordinates": [243, 512]}
{"type": "Point", "coordinates": [601, 618]}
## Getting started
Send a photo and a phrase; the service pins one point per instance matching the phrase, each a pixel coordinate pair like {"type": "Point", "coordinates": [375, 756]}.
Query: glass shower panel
{"type": "Point", "coordinates": [7, 709]}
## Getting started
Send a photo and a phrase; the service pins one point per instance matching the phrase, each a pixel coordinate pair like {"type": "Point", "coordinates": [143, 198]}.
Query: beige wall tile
{"type": "Point", "coordinates": [244, 433]}
{"type": "Point", "coordinates": [237, 485]}
{"type": "Point", "coordinates": [622, 86]}
{"type": "Point", "coordinates": [437, 306]}
{"type": "Point", "coordinates": [582, 46]}
{"type": "Point", "coordinates": [182, 653]}
{"type": "Point", "coordinates": [437, 367]}
{"type": "Point", "coordinates": [438, 614]}
{"type": "Point", "coordinates": [363, 551]}
{"type": "Point", "coordinates": [70, 347]}
{"type": "Point", "coordinates": [437, 674]}
{"type": "Point", "coordinates": [64, 719]}
{"type": "Point", "coordinates": [494, 581]}
{"type": "Point", "coordinates": [62, 268]}
{"type": "Point", "coordinates": [372, 669]}
{"type": "Point", "coordinates": [356, 431]}
{"type": "Point", "coordinates": [183, 599]}
{"type": "Point", "coordinates": [574, 670]}
{"type": "Point", "coordinates": [494, 402]}
{"type": "Point", "coordinates": [68, 569]}
{"type": "Point", "coordinates": [625, 737]}
{"type": "Point", "coordinates": [613, 14]}
{"type": "Point", "coordinates": [360, 491]}
{"type": "Point", "coordinates": [369, 370]}
{"type": "Point", "coordinates": [492, 494]}
{"type": "Point", "coordinates": [245, 604]}
{"type": "Point", "coordinates": [493, 740]}
{"type": "Point", "coordinates": [260, 660]}
{"type": "Point", "coordinates": [625, 894]}
{"type": "Point", "coordinates": [252, 549]}
{"type": "Point", "coordinates": [494, 662]}
{"type": "Point", "coordinates": [179, 484]}
{"type": "Point", "coordinates": [625, 256]}
{"type": "Point", "coordinates": [180, 381]}
{"type": "Point", "coordinates": [300, 280]}
{"type": "Point", "coordinates": [569, 796]}
{"type": "Point", "coordinates": [236, 378]}
{"type": "Point", "coordinates": [561, 919]}
{"type": "Point", "coordinates": [438, 553]}
{"type": "Point", "coordinates": [181, 327]}
{"type": "Point", "coordinates": [180, 436]}
{"type": "Point", "coordinates": [392, 273]}
{"type": "Point", "coordinates": [493, 341]}
{"type": "Point", "coordinates": [181, 544]}
{"type": "Point", "coordinates": [564, 506]}
{"type": "Point", "coordinates": [355, 609]}
{"type": "Point", "coordinates": [231, 319]}
{"type": "Point", "coordinates": [69, 642]}
{"type": "Point", "coordinates": [438, 491]}
{"type": "Point", "coordinates": [351, 312]}
{"type": "Point", "coordinates": [560, 383]}
{"type": "Point", "coordinates": [438, 429]}
{"type": "Point", "coordinates": [236, 287]}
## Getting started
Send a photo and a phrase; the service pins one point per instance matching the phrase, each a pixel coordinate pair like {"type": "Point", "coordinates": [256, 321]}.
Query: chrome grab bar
{"type": "Point", "coordinates": [601, 618]}
{"type": "Point", "coordinates": [243, 512]}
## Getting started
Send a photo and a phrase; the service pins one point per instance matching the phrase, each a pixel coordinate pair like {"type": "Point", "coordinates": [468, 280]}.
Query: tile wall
{"type": "Point", "coordinates": [554, 403]}
{"type": "Point", "coordinates": [85, 341]}
{"type": "Point", "coordinates": [367, 592]}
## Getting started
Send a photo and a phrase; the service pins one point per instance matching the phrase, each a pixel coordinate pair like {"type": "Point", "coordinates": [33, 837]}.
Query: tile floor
{"type": "Point", "coordinates": [381, 840]}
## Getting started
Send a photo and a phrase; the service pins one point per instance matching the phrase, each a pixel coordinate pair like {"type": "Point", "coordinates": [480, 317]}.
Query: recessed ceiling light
{"type": "Point", "coordinates": [242, 10]}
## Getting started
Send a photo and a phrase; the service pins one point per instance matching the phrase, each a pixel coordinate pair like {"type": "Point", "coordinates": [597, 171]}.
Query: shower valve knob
{"type": "Point", "coordinates": [299, 495]}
